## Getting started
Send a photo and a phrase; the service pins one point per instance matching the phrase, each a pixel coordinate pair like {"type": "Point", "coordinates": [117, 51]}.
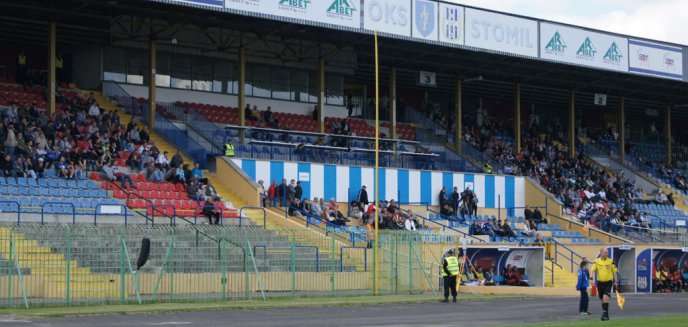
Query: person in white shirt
{"type": "Point", "coordinates": [162, 160]}
{"type": "Point", "coordinates": [409, 224]}
{"type": "Point", "coordinates": [94, 110]}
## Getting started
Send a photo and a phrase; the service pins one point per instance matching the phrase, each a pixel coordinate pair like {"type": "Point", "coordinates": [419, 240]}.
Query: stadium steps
{"type": "Point", "coordinates": [562, 278]}
{"type": "Point", "coordinates": [42, 262]}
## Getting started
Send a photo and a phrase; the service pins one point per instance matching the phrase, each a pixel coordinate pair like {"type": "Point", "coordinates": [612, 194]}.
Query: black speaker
{"type": "Point", "coordinates": [144, 253]}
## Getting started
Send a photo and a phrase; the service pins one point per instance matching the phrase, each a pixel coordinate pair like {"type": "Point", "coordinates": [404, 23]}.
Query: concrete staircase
{"type": "Point", "coordinates": [57, 272]}
{"type": "Point", "coordinates": [562, 277]}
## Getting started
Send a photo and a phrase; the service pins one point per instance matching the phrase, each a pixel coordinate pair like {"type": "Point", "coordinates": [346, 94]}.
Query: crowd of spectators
{"type": "Point", "coordinates": [86, 138]}
{"type": "Point", "coordinates": [587, 191]}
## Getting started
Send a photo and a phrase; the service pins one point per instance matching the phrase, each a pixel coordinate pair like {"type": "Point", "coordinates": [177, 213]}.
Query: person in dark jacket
{"type": "Point", "coordinates": [210, 212]}
{"type": "Point", "coordinates": [582, 286]}
{"type": "Point", "coordinates": [282, 193]}
{"type": "Point", "coordinates": [455, 199]}
{"type": "Point", "coordinates": [443, 196]}
{"type": "Point", "coordinates": [362, 198]}
{"type": "Point", "coordinates": [298, 190]}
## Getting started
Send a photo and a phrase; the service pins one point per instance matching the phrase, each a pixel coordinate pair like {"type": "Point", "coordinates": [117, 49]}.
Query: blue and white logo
{"type": "Point", "coordinates": [425, 17]}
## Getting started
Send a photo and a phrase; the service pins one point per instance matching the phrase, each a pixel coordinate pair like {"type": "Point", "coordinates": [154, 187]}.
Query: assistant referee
{"type": "Point", "coordinates": [604, 272]}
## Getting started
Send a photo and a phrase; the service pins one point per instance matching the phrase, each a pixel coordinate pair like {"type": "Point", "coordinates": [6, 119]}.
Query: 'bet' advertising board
{"type": "Point", "coordinates": [335, 12]}
{"type": "Point", "coordinates": [498, 32]}
{"type": "Point", "coordinates": [655, 59]}
{"type": "Point", "coordinates": [581, 47]}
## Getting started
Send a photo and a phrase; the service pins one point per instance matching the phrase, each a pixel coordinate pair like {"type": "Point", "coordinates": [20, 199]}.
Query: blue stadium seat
{"type": "Point", "coordinates": [32, 182]}
{"type": "Point", "coordinates": [3, 181]}
{"type": "Point", "coordinates": [53, 183]}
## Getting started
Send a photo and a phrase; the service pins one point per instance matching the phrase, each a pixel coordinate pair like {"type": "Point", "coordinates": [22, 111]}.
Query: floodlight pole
{"type": "Point", "coordinates": [376, 285]}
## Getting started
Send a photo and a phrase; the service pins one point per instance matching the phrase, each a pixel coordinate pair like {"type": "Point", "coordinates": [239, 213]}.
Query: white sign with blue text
{"type": "Point", "coordinates": [583, 47]}
{"type": "Point", "coordinates": [503, 33]}
{"type": "Point", "coordinates": [344, 13]}
{"type": "Point", "coordinates": [388, 16]}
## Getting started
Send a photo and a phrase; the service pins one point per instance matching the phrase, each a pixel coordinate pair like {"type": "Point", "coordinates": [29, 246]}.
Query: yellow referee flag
{"type": "Point", "coordinates": [620, 300]}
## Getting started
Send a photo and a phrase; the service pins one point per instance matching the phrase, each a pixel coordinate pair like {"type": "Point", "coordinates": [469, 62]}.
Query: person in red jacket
{"type": "Point", "coordinates": [272, 190]}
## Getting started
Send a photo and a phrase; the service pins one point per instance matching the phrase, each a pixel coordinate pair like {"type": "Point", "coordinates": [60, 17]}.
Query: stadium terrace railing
{"type": "Point", "coordinates": [58, 265]}
{"type": "Point", "coordinates": [163, 126]}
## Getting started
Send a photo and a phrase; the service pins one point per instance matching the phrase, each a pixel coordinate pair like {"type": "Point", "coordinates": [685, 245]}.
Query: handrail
{"type": "Point", "coordinates": [129, 194]}
{"type": "Point", "coordinates": [153, 210]}
{"type": "Point", "coordinates": [591, 229]}
{"type": "Point", "coordinates": [95, 212]}
{"type": "Point", "coordinates": [57, 203]}
{"type": "Point", "coordinates": [241, 210]}
{"type": "Point", "coordinates": [571, 253]}
{"type": "Point", "coordinates": [341, 257]}
{"type": "Point", "coordinates": [18, 209]}
{"type": "Point", "coordinates": [307, 221]}
{"type": "Point", "coordinates": [444, 227]}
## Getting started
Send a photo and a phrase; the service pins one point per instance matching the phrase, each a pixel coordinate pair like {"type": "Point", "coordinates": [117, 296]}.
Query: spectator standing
{"type": "Point", "coordinates": [443, 196]}
{"type": "Point", "coordinates": [362, 197]}
{"type": "Point", "coordinates": [298, 190]}
{"type": "Point", "coordinates": [177, 159]}
{"type": "Point", "coordinates": [455, 199]}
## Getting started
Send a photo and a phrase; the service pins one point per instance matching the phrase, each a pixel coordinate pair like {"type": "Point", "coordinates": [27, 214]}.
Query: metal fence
{"type": "Point", "coordinates": [44, 265]}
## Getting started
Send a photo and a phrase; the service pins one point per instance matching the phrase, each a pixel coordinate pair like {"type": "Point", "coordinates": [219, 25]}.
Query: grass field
{"type": "Point", "coordinates": [676, 321]}
{"type": "Point", "coordinates": [237, 305]}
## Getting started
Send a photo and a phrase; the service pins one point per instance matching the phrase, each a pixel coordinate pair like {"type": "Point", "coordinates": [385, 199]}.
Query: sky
{"type": "Point", "coordinates": [662, 20]}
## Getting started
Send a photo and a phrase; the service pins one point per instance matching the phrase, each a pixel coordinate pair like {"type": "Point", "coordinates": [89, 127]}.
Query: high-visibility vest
{"type": "Point", "coordinates": [229, 150]}
{"type": "Point", "coordinates": [487, 169]}
{"type": "Point", "coordinates": [21, 59]}
{"type": "Point", "coordinates": [59, 63]}
{"type": "Point", "coordinates": [452, 266]}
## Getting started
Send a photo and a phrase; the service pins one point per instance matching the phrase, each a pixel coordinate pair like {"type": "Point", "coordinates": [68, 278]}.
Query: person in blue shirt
{"type": "Point", "coordinates": [582, 286]}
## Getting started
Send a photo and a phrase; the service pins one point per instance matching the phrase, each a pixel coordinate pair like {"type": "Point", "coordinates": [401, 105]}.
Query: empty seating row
{"type": "Point", "coordinates": [34, 204]}
{"type": "Point", "coordinates": [47, 182]}
{"type": "Point", "coordinates": [586, 241]}
{"type": "Point", "coordinates": [566, 234]}
{"type": "Point", "coordinates": [54, 192]}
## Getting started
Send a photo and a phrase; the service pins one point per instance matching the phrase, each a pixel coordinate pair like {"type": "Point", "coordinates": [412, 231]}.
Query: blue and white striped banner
{"type": "Point", "coordinates": [403, 185]}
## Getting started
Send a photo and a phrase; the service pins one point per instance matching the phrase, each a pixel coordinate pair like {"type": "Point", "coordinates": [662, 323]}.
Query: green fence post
{"type": "Point", "coordinates": [246, 284]}
{"type": "Point", "coordinates": [223, 262]}
{"type": "Point", "coordinates": [172, 266]}
{"type": "Point", "coordinates": [69, 259]}
{"type": "Point", "coordinates": [122, 281]}
{"type": "Point", "coordinates": [332, 256]}
{"type": "Point", "coordinates": [293, 264]}
{"type": "Point", "coordinates": [9, 271]}
{"type": "Point", "coordinates": [410, 266]}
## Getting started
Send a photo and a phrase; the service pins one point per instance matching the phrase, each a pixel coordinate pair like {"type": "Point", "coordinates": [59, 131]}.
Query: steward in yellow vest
{"type": "Point", "coordinates": [450, 270]}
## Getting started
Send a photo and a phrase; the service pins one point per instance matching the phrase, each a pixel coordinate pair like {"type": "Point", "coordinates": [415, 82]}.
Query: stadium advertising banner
{"type": "Point", "coordinates": [214, 3]}
{"type": "Point", "coordinates": [425, 23]}
{"type": "Point", "coordinates": [581, 47]}
{"type": "Point", "coordinates": [451, 24]}
{"type": "Point", "coordinates": [498, 32]}
{"type": "Point", "coordinates": [336, 12]}
{"type": "Point", "coordinates": [655, 59]}
{"type": "Point", "coordinates": [388, 16]}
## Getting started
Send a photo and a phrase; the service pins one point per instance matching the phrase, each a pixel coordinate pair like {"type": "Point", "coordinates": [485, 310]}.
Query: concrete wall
{"type": "Point", "coordinates": [242, 186]}
{"type": "Point", "coordinates": [402, 185]}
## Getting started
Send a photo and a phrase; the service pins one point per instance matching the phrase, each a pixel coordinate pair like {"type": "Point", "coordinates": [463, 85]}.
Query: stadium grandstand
{"type": "Point", "coordinates": [198, 150]}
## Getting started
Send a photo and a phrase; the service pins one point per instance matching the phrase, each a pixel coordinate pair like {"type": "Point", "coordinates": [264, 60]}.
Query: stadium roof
{"type": "Point", "coordinates": [92, 22]}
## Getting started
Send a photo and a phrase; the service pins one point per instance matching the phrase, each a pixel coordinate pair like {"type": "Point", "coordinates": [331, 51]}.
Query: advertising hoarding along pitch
{"type": "Point", "coordinates": [502, 33]}
{"type": "Point", "coordinates": [388, 16]}
{"type": "Point", "coordinates": [582, 47]}
{"type": "Point", "coordinates": [451, 22]}
{"type": "Point", "coordinates": [334, 12]}
{"type": "Point", "coordinates": [425, 24]}
{"type": "Point", "coordinates": [655, 59]}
